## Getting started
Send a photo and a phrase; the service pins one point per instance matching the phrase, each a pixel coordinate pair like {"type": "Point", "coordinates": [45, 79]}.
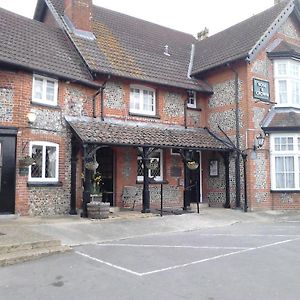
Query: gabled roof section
{"type": "Point", "coordinates": [31, 45]}
{"type": "Point", "coordinates": [241, 41]}
{"type": "Point", "coordinates": [133, 48]}
{"type": "Point", "coordinates": [284, 50]}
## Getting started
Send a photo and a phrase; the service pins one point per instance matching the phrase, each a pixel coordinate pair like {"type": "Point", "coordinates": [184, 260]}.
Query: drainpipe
{"type": "Point", "coordinates": [101, 92]}
{"type": "Point", "coordinates": [237, 134]}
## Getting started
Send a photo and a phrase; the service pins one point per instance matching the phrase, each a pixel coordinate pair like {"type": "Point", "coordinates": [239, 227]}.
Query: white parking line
{"type": "Point", "coordinates": [183, 265]}
{"type": "Point", "coordinates": [107, 263]}
{"type": "Point", "coordinates": [171, 246]}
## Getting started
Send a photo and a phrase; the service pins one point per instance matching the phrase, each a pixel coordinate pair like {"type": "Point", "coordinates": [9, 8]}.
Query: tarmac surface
{"type": "Point", "coordinates": [216, 255]}
{"type": "Point", "coordinates": [73, 230]}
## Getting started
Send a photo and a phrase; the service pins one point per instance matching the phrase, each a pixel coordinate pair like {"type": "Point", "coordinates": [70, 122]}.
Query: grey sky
{"type": "Point", "coordinates": [189, 16]}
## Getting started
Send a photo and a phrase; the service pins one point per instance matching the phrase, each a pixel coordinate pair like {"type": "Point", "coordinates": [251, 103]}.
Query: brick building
{"type": "Point", "coordinates": [81, 84]}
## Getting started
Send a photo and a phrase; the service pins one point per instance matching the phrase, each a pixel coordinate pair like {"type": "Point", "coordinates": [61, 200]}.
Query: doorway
{"type": "Point", "coordinates": [7, 174]}
{"type": "Point", "coordinates": [195, 180]}
{"type": "Point", "coordinates": [105, 159]}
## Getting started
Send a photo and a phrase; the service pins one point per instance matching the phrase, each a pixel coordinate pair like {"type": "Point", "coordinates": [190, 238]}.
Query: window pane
{"type": "Point", "coordinates": [50, 162]}
{"type": "Point", "coordinates": [0, 164]}
{"type": "Point", "coordinates": [37, 155]}
{"type": "Point", "coordinates": [135, 99]}
{"type": "Point", "coordinates": [285, 172]}
{"type": "Point", "coordinates": [277, 144]}
{"type": "Point", "coordinates": [282, 91]}
{"type": "Point", "coordinates": [148, 98]}
{"type": "Point", "coordinates": [295, 92]}
{"type": "Point", "coordinates": [299, 143]}
{"type": "Point", "coordinates": [294, 70]}
{"type": "Point", "coordinates": [290, 143]}
{"type": "Point", "coordinates": [140, 168]}
{"type": "Point", "coordinates": [38, 88]}
{"type": "Point", "coordinates": [50, 90]}
{"type": "Point", "coordinates": [282, 69]}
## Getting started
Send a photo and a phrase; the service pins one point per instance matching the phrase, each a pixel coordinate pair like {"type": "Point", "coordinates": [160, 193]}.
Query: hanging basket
{"type": "Point", "coordinates": [92, 166]}
{"type": "Point", "coordinates": [26, 161]}
{"type": "Point", "coordinates": [192, 165]}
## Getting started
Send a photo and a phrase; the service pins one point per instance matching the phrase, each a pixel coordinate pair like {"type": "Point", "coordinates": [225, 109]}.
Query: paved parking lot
{"type": "Point", "coordinates": [242, 261]}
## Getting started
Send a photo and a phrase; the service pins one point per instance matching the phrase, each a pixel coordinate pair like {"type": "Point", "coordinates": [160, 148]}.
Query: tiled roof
{"type": "Point", "coordinates": [235, 42]}
{"type": "Point", "coordinates": [285, 49]}
{"type": "Point", "coordinates": [94, 131]}
{"type": "Point", "coordinates": [32, 45]}
{"type": "Point", "coordinates": [133, 48]}
{"type": "Point", "coordinates": [282, 119]}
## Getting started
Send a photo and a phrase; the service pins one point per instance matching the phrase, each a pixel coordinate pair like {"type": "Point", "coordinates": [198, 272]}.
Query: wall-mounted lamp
{"type": "Point", "coordinates": [259, 141]}
{"type": "Point", "coordinates": [31, 116]}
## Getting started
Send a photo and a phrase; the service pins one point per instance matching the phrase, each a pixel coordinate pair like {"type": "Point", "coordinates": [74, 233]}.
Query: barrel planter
{"type": "Point", "coordinates": [98, 209]}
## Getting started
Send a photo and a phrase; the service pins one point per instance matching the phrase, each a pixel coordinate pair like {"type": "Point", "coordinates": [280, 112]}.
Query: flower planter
{"type": "Point", "coordinates": [98, 209]}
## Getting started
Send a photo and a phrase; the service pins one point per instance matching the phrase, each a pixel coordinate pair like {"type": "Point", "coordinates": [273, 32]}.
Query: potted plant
{"type": "Point", "coordinates": [96, 208]}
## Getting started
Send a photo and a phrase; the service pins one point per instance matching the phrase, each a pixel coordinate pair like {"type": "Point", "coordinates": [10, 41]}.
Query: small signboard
{"type": "Point", "coordinates": [261, 89]}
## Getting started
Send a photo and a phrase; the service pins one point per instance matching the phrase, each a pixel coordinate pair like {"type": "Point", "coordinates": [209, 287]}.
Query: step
{"type": "Point", "coordinates": [30, 254]}
{"type": "Point", "coordinates": [24, 246]}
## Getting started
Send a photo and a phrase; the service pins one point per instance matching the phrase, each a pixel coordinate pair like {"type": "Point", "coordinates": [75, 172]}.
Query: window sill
{"type": "Point", "coordinates": [194, 108]}
{"type": "Point", "coordinates": [144, 115]}
{"type": "Point", "coordinates": [285, 191]}
{"type": "Point", "coordinates": [153, 182]}
{"type": "Point", "coordinates": [44, 184]}
{"type": "Point", "coordinates": [45, 105]}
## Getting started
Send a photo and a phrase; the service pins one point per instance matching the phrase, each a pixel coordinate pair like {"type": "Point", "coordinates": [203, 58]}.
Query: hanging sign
{"type": "Point", "coordinates": [261, 89]}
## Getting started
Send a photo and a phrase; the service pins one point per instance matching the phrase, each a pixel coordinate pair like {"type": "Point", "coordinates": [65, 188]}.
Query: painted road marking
{"type": "Point", "coordinates": [187, 264]}
{"type": "Point", "coordinates": [172, 246]}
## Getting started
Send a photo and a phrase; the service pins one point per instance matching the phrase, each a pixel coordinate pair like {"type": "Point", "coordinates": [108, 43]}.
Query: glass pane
{"type": "Point", "coordinates": [282, 69]}
{"type": "Point", "coordinates": [290, 181]}
{"type": "Point", "coordinates": [277, 144]}
{"type": "Point", "coordinates": [135, 99]}
{"type": "Point", "coordinates": [298, 143]}
{"type": "Point", "coordinates": [148, 99]}
{"type": "Point", "coordinates": [282, 91]}
{"type": "Point", "coordinates": [50, 162]}
{"type": "Point", "coordinates": [294, 70]}
{"type": "Point", "coordinates": [289, 164]}
{"type": "Point", "coordinates": [290, 143]}
{"type": "Point", "coordinates": [279, 164]}
{"type": "Point", "coordinates": [0, 164]}
{"type": "Point", "coordinates": [295, 92]}
{"type": "Point", "coordinates": [140, 167]}
{"type": "Point", "coordinates": [50, 90]}
{"type": "Point", "coordinates": [280, 182]}
{"type": "Point", "coordinates": [37, 155]}
{"type": "Point", "coordinates": [38, 89]}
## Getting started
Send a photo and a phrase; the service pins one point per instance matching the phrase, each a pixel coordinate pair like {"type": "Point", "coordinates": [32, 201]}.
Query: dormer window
{"type": "Point", "coordinates": [142, 100]}
{"type": "Point", "coordinates": [287, 82]}
{"type": "Point", "coordinates": [192, 102]}
{"type": "Point", "coordinates": [44, 90]}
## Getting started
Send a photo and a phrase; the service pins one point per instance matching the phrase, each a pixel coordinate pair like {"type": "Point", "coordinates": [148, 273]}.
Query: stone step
{"type": "Point", "coordinates": [30, 254]}
{"type": "Point", "coordinates": [27, 246]}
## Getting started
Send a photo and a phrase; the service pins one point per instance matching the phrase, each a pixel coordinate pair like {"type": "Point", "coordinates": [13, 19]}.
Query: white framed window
{"type": "Point", "coordinates": [44, 90]}
{"type": "Point", "coordinates": [287, 82]}
{"type": "Point", "coordinates": [157, 174]}
{"type": "Point", "coordinates": [142, 100]}
{"type": "Point", "coordinates": [46, 156]}
{"type": "Point", "coordinates": [285, 161]}
{"type": "Point", "coordinates": [192, 99]}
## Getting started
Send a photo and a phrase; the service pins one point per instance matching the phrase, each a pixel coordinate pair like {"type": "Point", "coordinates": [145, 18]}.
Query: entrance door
{"type": "Point", "coordinates": [195, 180]}
{"type": "Point", "coordinates": [7, 174]}
{"type": "Point", "coordinates": [105, 159]}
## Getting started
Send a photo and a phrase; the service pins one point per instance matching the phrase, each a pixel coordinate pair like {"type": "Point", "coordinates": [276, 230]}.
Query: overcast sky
{"type": "Point", "coordinates": [190, 16]}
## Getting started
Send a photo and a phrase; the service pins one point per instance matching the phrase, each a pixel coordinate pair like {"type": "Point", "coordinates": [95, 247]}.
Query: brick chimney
{"type": "Point", "coordinates": [79, 12]}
